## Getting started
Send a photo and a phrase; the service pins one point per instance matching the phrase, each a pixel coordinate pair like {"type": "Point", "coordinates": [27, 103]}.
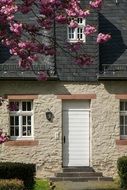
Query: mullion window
{"type": "Point", "coordinates": [21, 120]}
{"type": "Point", "coordinates": [76, 34]}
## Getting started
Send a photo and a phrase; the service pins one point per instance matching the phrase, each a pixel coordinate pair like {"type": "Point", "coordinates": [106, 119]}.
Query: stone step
{"type": "Point", "coordinates": [79, 174]}
{"type": "Point", "coordinates": [81, 179]}
{"type": "Point", "coordinates": [78, 169]}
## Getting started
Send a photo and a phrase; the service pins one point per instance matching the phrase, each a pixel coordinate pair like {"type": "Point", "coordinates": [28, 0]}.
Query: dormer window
{"type": "Point", "coordinates": [77, 33]}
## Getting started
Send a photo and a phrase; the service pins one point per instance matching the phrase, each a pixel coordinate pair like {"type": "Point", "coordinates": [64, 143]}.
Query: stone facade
{"type": "Point", "coordinates": [46, 150]}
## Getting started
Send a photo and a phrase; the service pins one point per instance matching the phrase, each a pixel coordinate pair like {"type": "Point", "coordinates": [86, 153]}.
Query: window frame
{"type": "Point", "coordinates": [124, 125]}
{"type": "Point", "coordinates": [20, 113]}
{"type": "Point", "coordinates": [80, 26]}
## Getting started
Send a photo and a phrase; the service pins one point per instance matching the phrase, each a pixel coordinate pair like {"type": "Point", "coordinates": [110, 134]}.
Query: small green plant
{"type": "Point", "coordinates": [41, 185]}
{"type": "Point", "coordinates": [122, 171]}
{"type": "Point", "coordinates": [12, 184]}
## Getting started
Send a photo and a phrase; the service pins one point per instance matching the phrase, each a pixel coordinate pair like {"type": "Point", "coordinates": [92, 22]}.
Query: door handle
{"type": "Point", "coordinates": [64, 139]}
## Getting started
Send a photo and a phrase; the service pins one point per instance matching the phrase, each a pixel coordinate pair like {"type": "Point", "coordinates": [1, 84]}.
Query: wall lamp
{"type": "Point", "coordinates": [49, 115]}
{"type": "Point", "coordinates": [117, 2]}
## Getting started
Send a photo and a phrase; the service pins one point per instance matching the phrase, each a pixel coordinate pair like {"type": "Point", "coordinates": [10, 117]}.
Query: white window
{"type": "Point", "coordinates": [123, 119]}
{"type": "Point", "coordinates": [76, 34]}
{"type": "Point", "coordinates": [21, 119]}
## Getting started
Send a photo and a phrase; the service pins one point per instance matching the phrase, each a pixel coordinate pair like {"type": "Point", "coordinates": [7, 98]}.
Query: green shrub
{"type": "Point", "coordinates": [22, 171]}
{"type": "Point", "coordinates": [122, 171]}
{"type": "Point", "coordinates": [11, 184]}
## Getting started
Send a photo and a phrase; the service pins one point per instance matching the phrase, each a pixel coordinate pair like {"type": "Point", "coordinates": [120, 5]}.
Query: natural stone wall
{"type": "Point", "coordinates": [47, 154]}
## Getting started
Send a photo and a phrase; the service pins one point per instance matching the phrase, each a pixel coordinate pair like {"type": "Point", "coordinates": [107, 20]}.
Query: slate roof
{"type": "Point", "coordinates": [113, 55]}
{"type": "Point", "coordinates": [110, 59]}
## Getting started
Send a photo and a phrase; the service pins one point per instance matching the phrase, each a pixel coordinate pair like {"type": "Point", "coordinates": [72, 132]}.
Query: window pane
{"type": "Point", "coordinates": [79, 20]}
{"type": "Point", "coordinates": [12, 131]}
{"type": "Point", "coordinates": [29, 131]}
{"type": "Point", "coordinates": [16, 120]}
{"type": "Point", "coordinates": [24, 106]}
{"type": "Point", "coordinates": [11, 120]}
{"type": "Point", "coordinates": [121, 130]}
{"type": "Point", "coordinates": [79, 35]}
{"type": "Point", "coordinates": [71, 33]}
{"type": "Point", "coordinates": [28, 106]}
{"type": "Point", "coordinates": [24, 131]}
{"type": "Point", "coordinates": [24, 120]}
{"type": "Point", "coordinates": [16, 131]}
{"type": "Point", "coordinates": [125, 130]}
{"type": "Point", "coordinates": [121, 106]}
{"type": "Point", "coordinates": [125, 106]}
{"type": "Point", "coordinates": [125, 120]}
{"type": "Point", "coordinates": [29, 120]}
{"type": "Point", "coordinates": [121, 120]}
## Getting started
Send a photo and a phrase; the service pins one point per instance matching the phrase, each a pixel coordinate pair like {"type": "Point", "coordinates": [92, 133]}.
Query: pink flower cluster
{"type": "Point", "coordinates": [74, 10]}
{"type": "Point", "coordinates": [7, 10]}
{"type": "Point", "coordinates": [42, 75]}
{"type": "Point", "coordinates": [3, 137]}
{"type": "Point", "coordinates": [102, 38]}
{"type": "Point", "coordinates": [83, 60]}
{"type": "Point", "coordinates": [88, 30]}
{"type": "Point", "coordinates": [96, 4]}
{"type": "Point", "coordinates": [12, 106]}
{"type": "Point", "coordinates": [16, 28]}
{"type": "Point", "coordinates": [73, 24]}
{"type": "Point", "coordinates": [73, 47]}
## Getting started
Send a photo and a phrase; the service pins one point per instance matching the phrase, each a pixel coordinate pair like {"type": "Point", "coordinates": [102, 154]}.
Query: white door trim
{"type": "Point", "coordinates": [76, 149]}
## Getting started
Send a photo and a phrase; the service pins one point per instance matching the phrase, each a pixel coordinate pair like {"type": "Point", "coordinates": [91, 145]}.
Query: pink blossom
{"type": "Point", "coordinates": [42, 75]}
{"type": "Point", "coordinates": [16, 28]}
{"type": "Point", "coordinates": [83, 60]}
{"type": "Point", "coordinates": [61, 19]}
{"type": "Point", "coordinates": [73, 24]}
{"type": "Point", "coordinates": [13, 106]}
{"type": "Point", "coordinates": [25, 63]}
{"type": "Point", "coordinates": [32, 58]}
{"type": "Point", "coordinates": [74, 46]}
{"type": "Point", "coordinates": [96, 4]}
{"type": "Point", "coordinates": [3, 137]}
{"type": "Point", "coordinates": [74, 10]}
{"type": "Point", "coordinates": [88, 30]}
{"type": "Point", "coordinates": [102, 38]}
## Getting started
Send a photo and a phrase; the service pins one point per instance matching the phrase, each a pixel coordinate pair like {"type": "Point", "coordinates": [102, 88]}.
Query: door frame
{"type": "Point", "coordinates": [90, 145]}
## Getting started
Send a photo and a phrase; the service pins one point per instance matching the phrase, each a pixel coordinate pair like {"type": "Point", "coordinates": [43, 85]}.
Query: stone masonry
{"type": "Point", "coordinates": [47, 152]}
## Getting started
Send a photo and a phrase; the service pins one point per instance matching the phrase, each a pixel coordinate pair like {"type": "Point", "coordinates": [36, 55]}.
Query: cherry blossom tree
{"type": "Point", "coordinates": [22, 38]}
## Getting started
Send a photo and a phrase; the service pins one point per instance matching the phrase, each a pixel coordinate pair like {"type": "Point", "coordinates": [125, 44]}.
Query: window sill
{"type": "Point", "coordinates": [21, 143]}
{"type": "Point", "coordinates": [121, 142]}
{"type": "Point", "coordinates": [76, 41]}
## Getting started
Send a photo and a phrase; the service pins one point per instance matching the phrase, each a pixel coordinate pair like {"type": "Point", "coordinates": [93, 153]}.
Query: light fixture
{"type": "Point", "coordinates": [117, 2]}
{"type": "Point", "coordinates": [49, 115]}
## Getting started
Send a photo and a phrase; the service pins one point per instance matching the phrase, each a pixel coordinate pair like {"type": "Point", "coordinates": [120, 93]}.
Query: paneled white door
{"type": "Point", "coordinates": [76, 133]}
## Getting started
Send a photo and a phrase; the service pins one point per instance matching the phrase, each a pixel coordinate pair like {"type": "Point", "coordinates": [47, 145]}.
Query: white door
{"type": "Point", "coordinates": [75, 133]}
